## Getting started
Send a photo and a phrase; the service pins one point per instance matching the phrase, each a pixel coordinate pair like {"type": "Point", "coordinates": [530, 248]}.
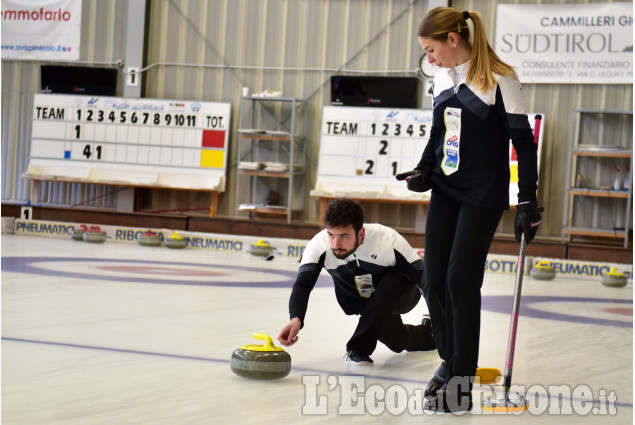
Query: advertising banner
{"type": "Point", "coordinates": [591, 43]}
{"type": "Point", "coordinates": [41, 29]}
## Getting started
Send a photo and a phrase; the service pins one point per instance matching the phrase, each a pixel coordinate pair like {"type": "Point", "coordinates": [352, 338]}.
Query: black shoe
{"type": "Point", "coordinates": [437, 381]}
{"type": "Point", "coordinates": [426, 329]}
{"type": "Point", "coordinates": [357, 359]}
{"type": "Point", "coordinates": [449, 400]}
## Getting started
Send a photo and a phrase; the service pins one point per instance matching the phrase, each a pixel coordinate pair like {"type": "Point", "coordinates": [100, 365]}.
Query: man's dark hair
{"type": "Point", "coordinates": [342, 212]}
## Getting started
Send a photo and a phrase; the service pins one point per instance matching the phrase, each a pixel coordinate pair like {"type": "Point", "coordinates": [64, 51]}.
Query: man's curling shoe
{"type": "Point", "coordinates": [437, 381]}
{"type": "Point", "coordinates": [450, 398]}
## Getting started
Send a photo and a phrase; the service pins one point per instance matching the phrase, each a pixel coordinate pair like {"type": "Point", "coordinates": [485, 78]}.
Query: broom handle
{"type": "Point", "coordinates": [513, 327]}
{"type": "Point", "coordinates": [511, 345]}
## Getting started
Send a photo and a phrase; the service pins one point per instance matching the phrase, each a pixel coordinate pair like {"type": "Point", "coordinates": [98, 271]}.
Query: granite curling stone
{"type": "Point", "coordinates": [542, 271]}
{"type": "Point", "coordinates": [175, 241]}
{"type": "Point", "coordinates": [149, 238]}
{"type": "Point", "coordinates": [78, 233]}
{"type": "Point", "coordinates": [95, 235]}
{"type": "Point", "coordinates": [261, 361]}
{"type": "Point", "coordinates": [614, 279]}
{"type": "Point", "coordinates": [263, 249]}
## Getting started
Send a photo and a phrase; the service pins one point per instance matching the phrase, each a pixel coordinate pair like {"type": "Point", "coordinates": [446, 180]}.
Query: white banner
{"type": "Point", "coordinates": [588, 43]}
{"type": "Point", "coordinates": [41, 29]}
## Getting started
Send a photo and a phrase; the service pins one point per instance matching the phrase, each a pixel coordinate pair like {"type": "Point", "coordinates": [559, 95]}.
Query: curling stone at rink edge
{"type": "Point", "coordinates": [614, 279]}
{"type": "Point", "coordinates": [149, 238]}
{"type": "Point", "coordinates": [261, 361]}
{"type": "Point", "coordinates": [78, 232]}
{"type": "Point", "coordinates": [263, 249]}
{"type": "Point", "coordinates": [95, 235]}
{"type": "Point", "coordinates": [542, 271]}
{"type": "Point", "coordinates": [175, 241]}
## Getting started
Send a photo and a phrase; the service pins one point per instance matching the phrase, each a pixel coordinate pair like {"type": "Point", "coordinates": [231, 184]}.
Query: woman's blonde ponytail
{"type": "Point", "coordinates": [484, 62]}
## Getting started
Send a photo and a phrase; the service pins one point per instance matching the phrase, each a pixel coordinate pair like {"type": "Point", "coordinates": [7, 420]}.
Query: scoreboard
{"type": "Point", "coordinates": [362, 149]}
{"type": "Point", "coordinates": [371, 142]}
{"type": "Point", "coordinates": [181, 144]}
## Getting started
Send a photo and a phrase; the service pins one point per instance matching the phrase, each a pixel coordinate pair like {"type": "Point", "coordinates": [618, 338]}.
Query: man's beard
{"type": "Point", "coordinates": [341, 254]}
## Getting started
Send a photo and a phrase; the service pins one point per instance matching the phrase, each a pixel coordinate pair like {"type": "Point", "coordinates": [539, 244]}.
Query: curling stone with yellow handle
{"type": "Point", "coordinates": [263, 249]}
{"type": "Point", "coordinates": [261, 361]}
{"type": "Point", "coordinates": [614, 279]}
{"type": "Point", "coordinates": [542, 271]}
{"type": "Point", "coordinates": [175, 241]}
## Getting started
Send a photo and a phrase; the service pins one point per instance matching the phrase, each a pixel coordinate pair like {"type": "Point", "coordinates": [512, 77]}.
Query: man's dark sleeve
{"type": "Point", "coordinates": [305, 281]}
{"type": "Point", "coordinates": [413, 270]}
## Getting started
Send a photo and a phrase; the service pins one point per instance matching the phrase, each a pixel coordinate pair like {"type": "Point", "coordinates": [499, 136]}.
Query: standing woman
{"type": "Point", "coordinates": [478, 108]}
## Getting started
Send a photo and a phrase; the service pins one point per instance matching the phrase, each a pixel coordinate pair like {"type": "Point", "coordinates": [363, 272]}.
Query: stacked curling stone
{"type": "Point", "coordinates": [542, 271]}
{"type": "Point", "coordinates": [614, 279]}
{"type": "Point", "coordinates": [261, 361]}
{"type": "Point", "coordinates": [78, 233]}
{"type": "Point", "coordinates": [149, 238]}
{"type": "Point", "coordinates": [95, 235]}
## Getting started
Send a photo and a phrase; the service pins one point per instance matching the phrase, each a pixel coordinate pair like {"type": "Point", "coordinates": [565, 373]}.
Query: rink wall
{"type": "Point", "coordinates": [496, 263]}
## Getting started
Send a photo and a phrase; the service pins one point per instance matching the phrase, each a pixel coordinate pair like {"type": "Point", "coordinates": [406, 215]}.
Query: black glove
{"type": "Point", "coordinates": [418, 180]}
{"type": "Point", "coordinates": [407, 174]}
{"type": "Point", "coordinates": [528, 219]}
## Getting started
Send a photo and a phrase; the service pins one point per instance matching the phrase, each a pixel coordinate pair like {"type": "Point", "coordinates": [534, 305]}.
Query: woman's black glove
{"type": "Point", "coordinates": [528, 219]}
{"type": "Point", "coordinates": [418, 180]}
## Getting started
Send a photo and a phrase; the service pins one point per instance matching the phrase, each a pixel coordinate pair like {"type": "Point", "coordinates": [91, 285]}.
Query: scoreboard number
{"type": "Point", "coordinates": [88, 152]}
{"type": "Point", "coordinates": [26, 213]}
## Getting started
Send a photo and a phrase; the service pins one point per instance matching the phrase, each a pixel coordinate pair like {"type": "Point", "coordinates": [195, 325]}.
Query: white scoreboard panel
{"type": "Point", "coordinates": [362, 149]}
{"type": "Point", "coordinates": [140, 141]}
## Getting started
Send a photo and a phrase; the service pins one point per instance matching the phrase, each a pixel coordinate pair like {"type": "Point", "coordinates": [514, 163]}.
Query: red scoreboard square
{"type": "Point", "coordinates": [213, 139]}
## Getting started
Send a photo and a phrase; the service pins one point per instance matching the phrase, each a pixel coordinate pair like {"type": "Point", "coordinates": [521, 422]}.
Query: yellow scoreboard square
{"type": "Point", "coordinates": [212, 158]}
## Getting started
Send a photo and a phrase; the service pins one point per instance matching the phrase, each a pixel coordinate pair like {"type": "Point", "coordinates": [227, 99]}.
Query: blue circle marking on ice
{"type": "Point", "coordinates": [529, 307]}
{"type": "Point", "coordinates": [79, 268]}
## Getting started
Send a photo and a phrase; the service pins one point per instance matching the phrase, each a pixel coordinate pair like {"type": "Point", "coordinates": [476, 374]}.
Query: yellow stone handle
{"type": "Point", "coordinates": [267, 347]}
{"type": "Point", "coordinates": [268, 341]}
{"type": "Point", "coordinates": [614, 272]}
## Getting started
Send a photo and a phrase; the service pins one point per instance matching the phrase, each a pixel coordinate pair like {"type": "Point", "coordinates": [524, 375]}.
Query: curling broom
{"type": "Point", "coordinates": [506, 403]}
